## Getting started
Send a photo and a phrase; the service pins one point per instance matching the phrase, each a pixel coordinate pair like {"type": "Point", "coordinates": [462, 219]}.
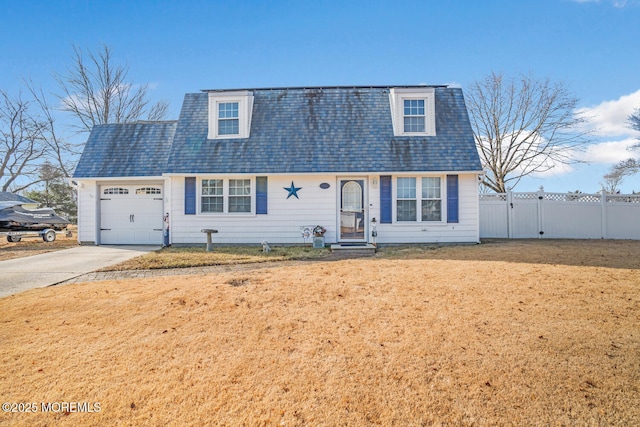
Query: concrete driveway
{"type": "Point", "coordinates": [17, 275]}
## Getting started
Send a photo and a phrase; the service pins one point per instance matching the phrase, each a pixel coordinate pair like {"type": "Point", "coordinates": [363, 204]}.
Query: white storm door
{"type": "Point", "coordinates": [352, 219]}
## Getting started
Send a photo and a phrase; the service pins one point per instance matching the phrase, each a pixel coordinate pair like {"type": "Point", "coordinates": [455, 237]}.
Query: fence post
{"type": "Point", "coordinates": [540, 213]}
{"type": "Point", "coordinates": [603, 214]}
{"type": "Point", "coordinates": [509, 214]}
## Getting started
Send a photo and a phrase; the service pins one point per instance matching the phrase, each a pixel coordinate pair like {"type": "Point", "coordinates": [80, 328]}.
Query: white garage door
{"type": "Point", "coordinates": [131, 214]}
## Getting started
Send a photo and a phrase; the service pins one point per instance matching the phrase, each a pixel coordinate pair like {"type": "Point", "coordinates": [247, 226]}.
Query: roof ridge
{"type": "Point", "coordinates": [327, 87]}
{"type": "Point", "coordinates": [139, 122]}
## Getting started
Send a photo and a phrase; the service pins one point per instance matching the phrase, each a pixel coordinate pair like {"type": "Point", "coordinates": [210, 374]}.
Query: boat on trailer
{"type": "Point", "coordinates": [16, 221]}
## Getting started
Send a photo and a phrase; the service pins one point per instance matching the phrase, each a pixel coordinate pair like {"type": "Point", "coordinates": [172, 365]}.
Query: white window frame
{"type": "Point", "coordinates": [406, 116]}
{"type": "Point", "coordinates": [226, 195]}
{"type": "Point", "coordinates": [397, 96]}
{"type": "Point", "coordinates": [414, 198]}
{"type": "Point", "coordinates": [419, 200]}
{"type": "Point", "coordinates": [226, 119]}
{"type": "Point", "coordinates": [424, 198]}
{"type": "Point", "coordinates": [245, 108]}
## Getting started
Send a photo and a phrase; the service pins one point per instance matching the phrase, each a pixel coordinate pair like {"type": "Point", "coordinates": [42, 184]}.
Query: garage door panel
{"type": "Point", "coordinates": [131, 214]}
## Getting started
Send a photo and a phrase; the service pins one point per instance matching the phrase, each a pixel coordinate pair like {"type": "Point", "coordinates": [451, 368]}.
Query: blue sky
{"type": "Point", "coordinates": [184, 46]}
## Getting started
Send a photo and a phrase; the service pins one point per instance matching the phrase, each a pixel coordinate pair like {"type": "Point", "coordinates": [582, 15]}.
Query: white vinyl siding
{"type": "Point", "coordinates": [465, 230]}
{"type": "Point", "coordinates": [316, 206]}
{"type": "Point", "coordinates": [319, 206]}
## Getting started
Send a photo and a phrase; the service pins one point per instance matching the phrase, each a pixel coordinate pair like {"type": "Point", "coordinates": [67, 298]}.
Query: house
{"type": "Point", "coordinates": [397, 162]}
{"type": "Point", "coordinates": [27, 203]}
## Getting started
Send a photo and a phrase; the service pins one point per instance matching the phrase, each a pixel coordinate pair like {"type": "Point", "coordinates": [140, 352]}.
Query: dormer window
{"type": "Point", "coordinates": [413, 115]}
{"type": "Point", "coordinates": [413, 111]}
{"type": "Point", "coordinates": [230, 114]}
{"type": "Point", "coordinates": [228, 118]}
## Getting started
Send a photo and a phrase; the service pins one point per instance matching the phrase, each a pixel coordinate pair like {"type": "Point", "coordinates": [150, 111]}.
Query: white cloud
{"type": "Point", "coordinates": [610, 118]}
{"type": "Point", "coordinates": [608, 152]}
{"type": "Point", "coordinates": [558, 169]}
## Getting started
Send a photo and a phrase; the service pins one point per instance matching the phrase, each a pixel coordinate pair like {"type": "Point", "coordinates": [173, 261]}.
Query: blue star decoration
{"type": "Point", "coordinates": [293, 190]}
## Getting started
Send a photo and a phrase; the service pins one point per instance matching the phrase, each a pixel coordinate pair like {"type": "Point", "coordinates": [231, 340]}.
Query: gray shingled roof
{"type": "Point", "coordinates": [126, 149]}
{"type": "Point", "coordinates": [324, 130]}
{"type": "Point", "coordinates": [6, 196]}
{"type": "Point", "coordinates": [292, 131]}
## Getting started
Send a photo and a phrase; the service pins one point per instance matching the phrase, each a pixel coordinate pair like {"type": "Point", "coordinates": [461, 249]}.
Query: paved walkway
{"type": "Point", "coordinates": [79, 265]}
{"type": "Point", "coordinates": [21, 274]}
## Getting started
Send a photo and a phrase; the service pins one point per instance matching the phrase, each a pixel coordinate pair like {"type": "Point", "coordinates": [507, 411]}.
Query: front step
{"type": "Point", "coordinates": [354, 249]}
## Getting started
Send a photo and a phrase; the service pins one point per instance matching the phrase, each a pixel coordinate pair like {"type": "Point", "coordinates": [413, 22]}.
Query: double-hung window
{"type": "Point", "coordinates": [431, 199]}
{"type": "Point", "coordinates": [228, 120]}
{"type": "Point", "coordinates": [415, 195]}
{"type": "Point", "coordinates": [212, 195]}
{"type": "Point", "coordinates": [239, 195]}
{"type": "Point", "coordinates": [413, 111]}
{"type": "Point", "coordinates": [230, 114]}
{"type": "Point", "coordinates": [406, 202]}
{"type": "Point", "coordinates": [225, 196]}
{"type": "Point", "coordinates": [414, 115]}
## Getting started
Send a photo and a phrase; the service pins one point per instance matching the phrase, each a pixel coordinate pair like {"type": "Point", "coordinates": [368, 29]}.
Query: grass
{"type": "Point", "coordinates": [182, 257]}
{"type": "Point", "coordinates": [605, 252]}
{"type": "Point", "coordinates": [448, 336]}
{"type": "Point", "coordinates": [35, 245]}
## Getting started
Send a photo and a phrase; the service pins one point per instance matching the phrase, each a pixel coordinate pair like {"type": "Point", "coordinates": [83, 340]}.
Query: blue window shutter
{"type": "Point", "coordinates": [452, 198]}
{"type": "Point", "coordinates": [385, 199]}
{"type": "Point", "coordinates": [190, 196]}
{"type": "Point", "coordinates": [261, 195]}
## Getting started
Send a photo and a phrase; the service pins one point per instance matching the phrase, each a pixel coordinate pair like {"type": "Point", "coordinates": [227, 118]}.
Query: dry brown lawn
{"type": "Point", "coordinates": [504, 333]}
{"type": "Point", "coordinates": [35, 245]}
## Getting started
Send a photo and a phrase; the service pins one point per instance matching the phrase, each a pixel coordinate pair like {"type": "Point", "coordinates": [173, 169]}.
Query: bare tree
{"type": "Point", "coordinates": [96, 91]}
{"type": "Point", "coordinates": [522, 127]}
{"type": "Point", "coordinates": [634, 123]}
{"type": "Point", "coordinates": [618, 172]}
{"type": "Point", "coordinates": [22, 144]}
{"type": "Point", "coordinates": [59, 149]}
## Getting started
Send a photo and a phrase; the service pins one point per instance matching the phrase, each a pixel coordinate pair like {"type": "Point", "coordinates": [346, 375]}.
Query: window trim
{"type": "Point", "coordinates": [397, 96]}
{"type": "Point", "coordinates": [226, 195]}
{"type": "Point", "coordinates": [244, 99]}
{"type": "Point", "coordinates": [419, 200]}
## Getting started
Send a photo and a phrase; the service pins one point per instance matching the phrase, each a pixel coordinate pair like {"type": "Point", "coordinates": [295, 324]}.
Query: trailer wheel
{"type": "Point", "coordinates": [49, 236]}
{"type": "Point", "coordinates": [14, 239]}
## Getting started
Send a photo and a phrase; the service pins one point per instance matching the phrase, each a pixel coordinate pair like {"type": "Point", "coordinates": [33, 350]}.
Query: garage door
{"type": "Point", "coordinates": [131, 214]}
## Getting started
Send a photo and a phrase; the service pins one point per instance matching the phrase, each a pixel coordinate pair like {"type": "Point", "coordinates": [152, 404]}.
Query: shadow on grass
{"type": "Point", "coordinates": [187, 257]}
{"type": "Point", "coordinates": [592, 253]}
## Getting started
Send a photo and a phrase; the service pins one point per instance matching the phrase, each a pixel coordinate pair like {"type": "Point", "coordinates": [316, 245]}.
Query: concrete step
{"type": "Point", "coordinates": [354, 249]}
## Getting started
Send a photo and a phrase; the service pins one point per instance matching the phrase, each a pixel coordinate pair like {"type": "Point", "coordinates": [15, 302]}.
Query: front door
{"type": "Point", "coordinates": [352, 212]}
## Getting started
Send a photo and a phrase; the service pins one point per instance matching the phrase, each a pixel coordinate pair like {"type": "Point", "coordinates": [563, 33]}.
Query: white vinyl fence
{"type": "Point", "coordinates": [559, 216]}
